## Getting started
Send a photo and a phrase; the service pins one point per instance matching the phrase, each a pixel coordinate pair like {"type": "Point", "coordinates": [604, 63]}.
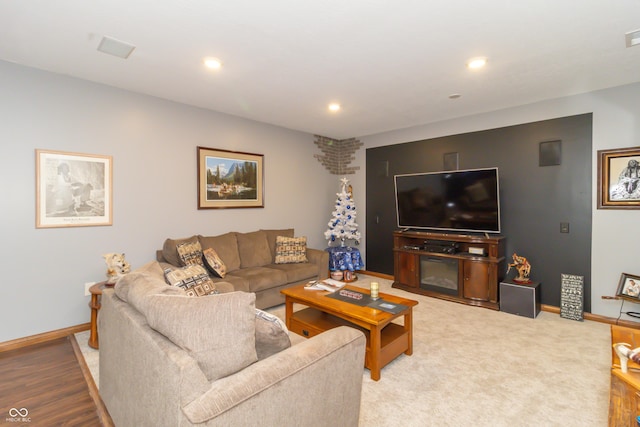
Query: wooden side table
{"type": "Point", "coordinates": [96, 292]}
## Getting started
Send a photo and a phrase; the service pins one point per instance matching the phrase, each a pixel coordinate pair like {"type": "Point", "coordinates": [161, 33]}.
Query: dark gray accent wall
{"type": "Point", "coordinates": [534, 199]}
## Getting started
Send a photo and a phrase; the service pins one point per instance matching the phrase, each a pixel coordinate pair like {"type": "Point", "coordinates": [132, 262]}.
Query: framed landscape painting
{"type": "Point", "coordinates": [619, 178]}
{"type": "Point", "coordinates": [230, 179]}
{"type": "Point", "coordinates": [73, 189]}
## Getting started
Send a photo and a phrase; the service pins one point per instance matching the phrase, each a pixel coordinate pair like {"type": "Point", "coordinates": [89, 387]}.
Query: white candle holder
{"type": "Point", "coordinates": [375, 288]}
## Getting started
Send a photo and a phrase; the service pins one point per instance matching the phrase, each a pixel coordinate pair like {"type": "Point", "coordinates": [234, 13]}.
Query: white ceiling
{"type": "Point", "coordinates": [391, 64]}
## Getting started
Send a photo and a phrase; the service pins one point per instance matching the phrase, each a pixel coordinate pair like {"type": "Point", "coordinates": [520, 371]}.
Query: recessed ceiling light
{"type": "Point", "coordinates": [213, 63]}
{"type": "Point", "coordinates": [632, 38]}
{"type": "Point", "coordinates": [476, 63]}
{"type": "Point", "coordinates": [334, 107]}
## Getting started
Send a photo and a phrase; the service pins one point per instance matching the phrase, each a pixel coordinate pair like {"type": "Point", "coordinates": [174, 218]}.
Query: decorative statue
{"type": "Point", "coordinates": [117, 267]}
{"type": "Point", "coordinates": [523, 267]}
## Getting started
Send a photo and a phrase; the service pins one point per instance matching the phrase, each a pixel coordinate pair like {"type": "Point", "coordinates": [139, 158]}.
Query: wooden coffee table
{"type": "Point", "coordinates": [385, 340]}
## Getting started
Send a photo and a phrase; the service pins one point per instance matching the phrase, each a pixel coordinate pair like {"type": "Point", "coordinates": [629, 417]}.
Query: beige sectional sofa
{"type": "Point", "coordinates": [250, 264]}
{"type": "Point", "coordinates": [167, 359]}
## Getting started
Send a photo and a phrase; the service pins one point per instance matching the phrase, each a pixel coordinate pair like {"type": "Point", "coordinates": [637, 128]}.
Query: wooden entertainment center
{"type": "Point", "coordinates": [456, 267]}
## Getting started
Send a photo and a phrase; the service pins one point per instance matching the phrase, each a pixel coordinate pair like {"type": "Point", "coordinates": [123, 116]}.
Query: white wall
{"type": "Point", "coordinates": [153, 143]}
{"type": "Point", "coordinates": [616, 124]}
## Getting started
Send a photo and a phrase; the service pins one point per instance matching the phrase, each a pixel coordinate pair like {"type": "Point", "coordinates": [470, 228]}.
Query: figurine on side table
{"type": "Point", "coordinates": [523, 268]}
{"type": "Point", "coordinates": [117, 267]}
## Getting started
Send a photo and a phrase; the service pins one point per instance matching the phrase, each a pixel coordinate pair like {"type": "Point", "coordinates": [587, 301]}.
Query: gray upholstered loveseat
{"type": "Point", "coordinates": [250, 264]}
{"type": "Point", "coordinates": [167, 359]}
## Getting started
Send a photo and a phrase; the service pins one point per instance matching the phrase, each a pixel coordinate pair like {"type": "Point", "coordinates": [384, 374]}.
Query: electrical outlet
{"type": "Point", "coordinates": [86, 288]}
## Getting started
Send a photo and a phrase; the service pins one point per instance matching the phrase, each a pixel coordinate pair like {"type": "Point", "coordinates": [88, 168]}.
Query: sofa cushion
{"type": "Point", "coordinates": [238, 283]}
{"type": "Point", "coordinates": [272, 335]}
{"type": "Point", "coordinates": [296, 272]}
{"type": "Point", "coordinates": [213, 263]}
{"type": "Point", "coordinates": [291, 250]}
{"type": "Point", "coordinates": [146, 280]}
{"type": "Point", "coordinates": [217, 330]}
{"type": "Point", "coordinates": [193, 279]}
{"type": "Point", "coordinates": [169, 251]}
{"type": "Point", "coordinates": [253, 249]}
{"type": "Point", "coordinates": [226, 246]}
{"type": "Point", "coordinates": [271, 238]}
{"type": "Point", "coordinates": [189, 253]}
{"type": "Point", "coordinates": [260, 278]}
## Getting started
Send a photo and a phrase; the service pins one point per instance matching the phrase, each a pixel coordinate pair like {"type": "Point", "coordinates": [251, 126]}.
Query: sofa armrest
{"type": "Point", "coordinates": [141, 371]}
{"type": "Point", "coordinates": [317, 382]}
{"type": "Point", "coordinates": [160, 256]}
{"type": "Point", "coordinates": [321, 259]}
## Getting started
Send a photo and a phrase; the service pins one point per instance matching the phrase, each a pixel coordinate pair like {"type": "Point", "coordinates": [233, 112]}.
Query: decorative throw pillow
{"type": "Point", "coordinates": [214, 263]}
{"type": "Point", "coordinates": [226, 246]}
{"type": "Point", "coordinates": [193, 279]}
{"type": "Point", "coordinates": [273, 234]}
{"type": "Point", "coordinates": [190, 253]}
{"type": "Point", "coordinates": [272, 335]}
{"type": "Point", "coordinates": [169, 252]}
{"type": "Point", "coordinates": [218, 331]}
{"type": "Point", "coordinates": [291, 250]}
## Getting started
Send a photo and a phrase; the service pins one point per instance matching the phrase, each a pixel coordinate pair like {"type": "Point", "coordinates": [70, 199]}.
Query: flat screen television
{"type": "Point", "coordinates": [464, 200]}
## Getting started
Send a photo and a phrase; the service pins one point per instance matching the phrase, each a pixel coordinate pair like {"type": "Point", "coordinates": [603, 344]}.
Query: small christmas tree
{"type": "Point", "coordinates": [342, 225]}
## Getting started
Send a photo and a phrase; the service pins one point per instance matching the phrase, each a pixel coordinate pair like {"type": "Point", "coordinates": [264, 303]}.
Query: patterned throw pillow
{"type": "Point", "coordinates": [291, 250]}
{"type": "Point", "coordinates": [214, 263]}
{"type": "Point", "coordinates": [190, 253]}
{"type": "Point", "coordinates": [193, 279]}
{"type": "Point", "coordinates": [272, 334]}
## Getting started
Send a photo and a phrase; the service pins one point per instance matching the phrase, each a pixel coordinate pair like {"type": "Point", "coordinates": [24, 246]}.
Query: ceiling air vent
{"type": "Point", "coordinates": [115, 47]}
{"type": "Point", "coordinates": [632, 38]}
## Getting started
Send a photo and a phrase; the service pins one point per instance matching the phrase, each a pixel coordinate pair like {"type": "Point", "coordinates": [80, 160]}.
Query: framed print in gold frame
{"type": "Point", "coordinates": [619, 178]}
{"type": "Point", "coordinates": [230, 179]}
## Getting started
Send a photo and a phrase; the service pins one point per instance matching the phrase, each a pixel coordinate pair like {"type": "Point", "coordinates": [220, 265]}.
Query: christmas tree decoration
{"type": "Point", "coordinates": [342, 225]}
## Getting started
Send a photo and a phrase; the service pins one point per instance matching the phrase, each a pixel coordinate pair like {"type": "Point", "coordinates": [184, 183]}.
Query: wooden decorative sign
{"type": "Point", "coordinates": [572, 297]}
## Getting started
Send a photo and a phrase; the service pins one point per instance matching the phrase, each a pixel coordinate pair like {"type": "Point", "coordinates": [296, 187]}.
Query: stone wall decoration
{"type": "Point", "coordinates": [337, 154]}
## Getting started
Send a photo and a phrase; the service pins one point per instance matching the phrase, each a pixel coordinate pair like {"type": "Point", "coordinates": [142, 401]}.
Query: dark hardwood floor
{"type": "Point", "coordinates": [47, 385]}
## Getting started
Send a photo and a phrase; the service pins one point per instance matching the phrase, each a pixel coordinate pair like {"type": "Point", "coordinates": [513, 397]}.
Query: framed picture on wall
{"type": "Point", "coordinates": [619, 178]}
{"type": "Point", "coordinates": [230, 179]}
{"type": "Point", "coordinates": [629, 286]}
{"type": "Point", "coordinates": [73, 189]}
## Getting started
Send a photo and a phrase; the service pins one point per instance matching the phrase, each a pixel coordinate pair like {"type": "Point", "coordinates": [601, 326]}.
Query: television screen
{"type": "Point", "coordinates": [465, 200]}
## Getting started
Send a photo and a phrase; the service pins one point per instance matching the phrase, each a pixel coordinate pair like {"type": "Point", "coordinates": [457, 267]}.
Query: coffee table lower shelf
{"type": "Point", "coordinates": [394, 339]}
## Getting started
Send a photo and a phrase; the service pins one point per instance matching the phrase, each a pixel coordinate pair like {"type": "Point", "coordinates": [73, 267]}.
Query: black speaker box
{"type": "Point", "coordinates": [522, 299]}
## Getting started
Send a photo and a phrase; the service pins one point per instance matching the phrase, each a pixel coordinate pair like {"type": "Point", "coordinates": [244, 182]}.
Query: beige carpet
{"type": "Point", "coordinates": [477, 367]}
